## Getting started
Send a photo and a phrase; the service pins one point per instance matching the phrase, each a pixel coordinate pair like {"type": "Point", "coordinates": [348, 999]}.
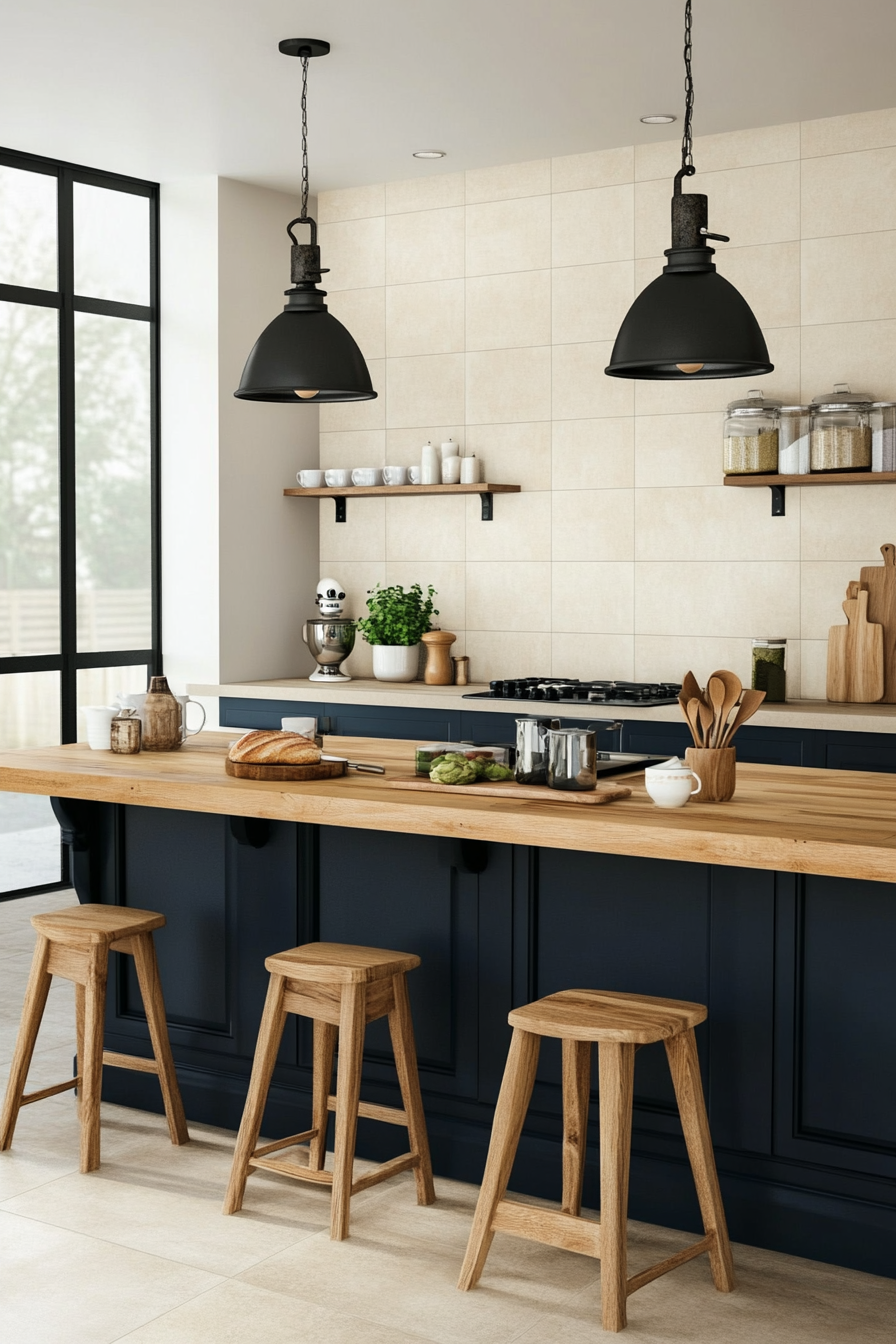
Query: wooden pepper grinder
{"type": "Point", "coordinates": [438, 670]}
{"type": "Point", "coordinates": [161, 717]}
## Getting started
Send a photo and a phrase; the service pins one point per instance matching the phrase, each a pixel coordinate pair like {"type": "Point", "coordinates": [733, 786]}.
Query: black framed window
{"type": "Point", "coordinates": [79, 468]}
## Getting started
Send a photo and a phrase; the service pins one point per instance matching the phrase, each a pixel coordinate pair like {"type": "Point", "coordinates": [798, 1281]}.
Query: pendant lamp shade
{"type": "Point", "coordinates": [305, 350]}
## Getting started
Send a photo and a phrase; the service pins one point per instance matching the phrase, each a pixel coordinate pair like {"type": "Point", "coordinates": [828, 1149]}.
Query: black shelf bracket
{"type": "Point", "coordinates": [778, 509]}
{"type": "Point", "coordinates": [340, 502]}
{"type": "Point", "coordinates": [488, 506]}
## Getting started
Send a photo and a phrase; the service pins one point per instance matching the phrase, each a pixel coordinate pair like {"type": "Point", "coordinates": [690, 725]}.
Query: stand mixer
{"type": "Point", "coordinates": [331, 635]}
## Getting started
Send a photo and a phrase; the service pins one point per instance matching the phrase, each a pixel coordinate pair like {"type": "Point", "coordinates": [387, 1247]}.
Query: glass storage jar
{"type": "Point", "coordinates": [840, 437]}
{"type": "Point", "coordinates": [751, 436]}
{"type": "Point", "coordinates": [883, 435]}
{"type": "Point", "coordinates": [793, 441]}
{"type": "Point", "coordinates": [769, 668]}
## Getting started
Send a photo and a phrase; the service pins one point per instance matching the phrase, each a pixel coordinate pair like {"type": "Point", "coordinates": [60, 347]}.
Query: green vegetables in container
{"type": "Point", "coordinates": [769, 671]}
{"type": "Point", "coordinates": [457, 767]}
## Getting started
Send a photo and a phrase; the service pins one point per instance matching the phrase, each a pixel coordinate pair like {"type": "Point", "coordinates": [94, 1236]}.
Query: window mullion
{"type": "Point", "coordinates": [67, 519]}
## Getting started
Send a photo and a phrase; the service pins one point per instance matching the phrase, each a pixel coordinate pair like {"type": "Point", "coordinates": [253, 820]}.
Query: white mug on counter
{"type": "Point", "coordinates": [395, 475]}
{"type": "Point", "coordinates": [98, 719]}
{"type": "Point", "coordinates": [304, 725]}
{"type": "Point", "coordinates": [185, 732]}
{"type": "Point", "coordinates": [134, 702]}
{"type": "Point", "coordinates": [310, 480]}
{"type": "Point", "coordinates": [669, 784]}
{"type": "Point", "coordinates": [367, 476]}
{"type": "Point", "coordinates": [338, 476]}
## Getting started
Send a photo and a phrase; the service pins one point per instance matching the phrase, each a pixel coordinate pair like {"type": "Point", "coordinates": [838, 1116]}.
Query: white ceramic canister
{"type": "Point", "coordinates": [469, 470]}
{"type": "Point", "coordinates": [451, 470]}
{"type": "Point", "coordinates": [430, 465]}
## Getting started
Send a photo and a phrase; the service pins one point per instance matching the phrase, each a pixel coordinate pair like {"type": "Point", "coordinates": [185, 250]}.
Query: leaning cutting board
{"type": "Point", "coordinates": [285, 773]}
{"type": "Point", "coordinates": [880, 580]}
{"type": "Point", "coordinates": [523, 793]}
{"type": "Point", "coordinates": [856, 655]}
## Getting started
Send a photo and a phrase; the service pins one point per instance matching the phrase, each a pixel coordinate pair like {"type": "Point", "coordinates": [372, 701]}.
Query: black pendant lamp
{"type": "Point", "coordinates": [305, 355]}
{"type": "Point", "coordinates": [690, 322]}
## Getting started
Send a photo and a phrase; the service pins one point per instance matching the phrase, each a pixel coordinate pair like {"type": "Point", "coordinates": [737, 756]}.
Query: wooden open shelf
{"type": "Point", "coordinates": [340, 493]}
{"type": "Point", "coordinates": [777, 483]}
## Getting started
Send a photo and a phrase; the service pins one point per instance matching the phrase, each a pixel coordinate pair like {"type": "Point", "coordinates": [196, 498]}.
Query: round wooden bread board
{"type": "Point", "coordinates": [274, 773]}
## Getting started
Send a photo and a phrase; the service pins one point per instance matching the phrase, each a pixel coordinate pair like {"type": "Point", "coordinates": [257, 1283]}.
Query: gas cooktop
{"type": "Point", "coordinates": [568, 691]}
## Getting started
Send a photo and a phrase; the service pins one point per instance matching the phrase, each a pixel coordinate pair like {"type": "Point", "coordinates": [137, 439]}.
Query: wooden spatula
{"type": "Point", "coordinates": [733, 687]}
{"type": "Point", "coordinates": [750, 702]}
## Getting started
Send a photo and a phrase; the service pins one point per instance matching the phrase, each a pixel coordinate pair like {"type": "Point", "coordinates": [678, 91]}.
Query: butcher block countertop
{"type": "Point", "coordinates": [834, 822]}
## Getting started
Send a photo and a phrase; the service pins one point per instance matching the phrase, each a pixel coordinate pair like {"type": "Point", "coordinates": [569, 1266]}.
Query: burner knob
{"type": "Point", "coordinates": [538, 693]}
{"type": "Point", "coordinates": [598, 697]}
{"type": "Point", "coordinates": [553, 692]}
{"type": "Point", "coordinates": [496, 687]}
{"type": "Point", "coordinates": [521, 692]}
{"type": "Point", "coordinates": [581, 693]}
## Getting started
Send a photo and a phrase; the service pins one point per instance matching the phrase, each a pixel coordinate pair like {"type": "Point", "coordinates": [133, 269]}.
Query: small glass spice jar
{"type": "Point", "coordinates": [840, 437]}
{"type": "Point", "coordinates": [751, 436]}
{"type": "Point", "coordinates": [126, 732]}
{"type": "Point", "coordinates": [883, 435]}
{"type": "Point", "coordinates": [769, 668]}
{"type": "Point", "coordinates": [793, 441]}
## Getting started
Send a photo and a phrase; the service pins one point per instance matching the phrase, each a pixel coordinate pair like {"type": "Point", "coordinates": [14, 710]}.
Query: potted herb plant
{"type": "Point", "coordinates": [397, 618]}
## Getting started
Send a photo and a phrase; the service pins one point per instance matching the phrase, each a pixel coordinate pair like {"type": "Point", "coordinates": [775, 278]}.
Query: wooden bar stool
{"type": "Point", "coordinates": [341, 987]}
{"type": "Point", "coordinates": [75, 943]}
{"type": "Point", "coordinates": [619, 1023]}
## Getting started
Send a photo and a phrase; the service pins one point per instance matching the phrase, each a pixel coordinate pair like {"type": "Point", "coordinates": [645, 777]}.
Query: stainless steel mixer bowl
{"type": "Point", "coordinates": [330, 641]}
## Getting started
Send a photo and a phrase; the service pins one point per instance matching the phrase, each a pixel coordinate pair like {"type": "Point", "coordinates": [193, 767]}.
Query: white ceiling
{"type": "Point", "coordinates": [170, 88]}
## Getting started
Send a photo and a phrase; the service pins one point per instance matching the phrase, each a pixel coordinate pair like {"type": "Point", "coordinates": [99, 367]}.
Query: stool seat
{"type": "Point", "coordinates": [601, 1015]}
{"type": "Point", "coordinates": [340, 963]}
{"type": "Point", "coordinates": [95, 924]}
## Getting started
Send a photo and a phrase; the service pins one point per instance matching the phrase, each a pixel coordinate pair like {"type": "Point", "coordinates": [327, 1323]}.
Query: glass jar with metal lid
{"type": "Point", "coordinates": [883, 435]}
{"type": "Point", "coordinates": [793, 441]}
{"type": "Point", "coordinates": [751, 436]}
{"type": "Point", "coordinates": [840, 436]}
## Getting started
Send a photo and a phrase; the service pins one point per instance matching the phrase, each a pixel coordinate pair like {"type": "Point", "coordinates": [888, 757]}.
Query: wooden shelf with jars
{"type": "Point", "coordinates": [778, 483]}
{"type": "Point", "coordinates": [339, 494]}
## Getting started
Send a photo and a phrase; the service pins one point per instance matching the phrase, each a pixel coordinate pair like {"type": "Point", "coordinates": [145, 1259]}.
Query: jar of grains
{"type": "Point", "coordinates": [793, 441]}
{"type": "Point", "coordinates": [883, 435]}
{"type": "Point", "coordinates": [751, 436]}
{"type": "Point", "coordinates": [769, 668]}
{"type": "Point", "coordinates": [840, 437]}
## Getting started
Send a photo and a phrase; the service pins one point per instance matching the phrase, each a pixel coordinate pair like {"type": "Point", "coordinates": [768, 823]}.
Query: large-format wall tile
{"type": "Point", "coordinates": [850, 278]}
{"type": "Point", "coordinates": [711, 394]}
{"type": "Point", "coordinates": [351, 203]}
{"type": "Point", "coordinates": [601, 168]}
{"type": "Point", "coordinates": [362, 538]}
{"type": "Point", "coordinates": [425, 319]}
{"type": "Point", "coordinates": [581, 389]}
{"type": "Point", "coordinates": [668, 657]}
{"type": "Point", "coordinates": [589, 302]}
{"type": "Point", "coordinates": [847, 522]}
{"type": "Point", "coordinates": [424, 389]}
{"type": "Point", "coordinates": [843, 135]}
{"type": "Point", "coordinates": [508, 595]}
{"type": "Point", "coordinates": [862, 354]}
{"type": "Point", "coordinates": [652, 218]}
{"type": "Point", "coordinates": [506, 236]}
{"type": "Point", "coordinates": [424, 245]}
{"type": "Point", "coordinates": [355, 252]}
{"type": "Point", "coordinates": [593, 598]}
{"type": "Point", "coordinates": [714, 522]}
{"type": "Point", "coordinates": [363, 311]}
{"type": "Point", "coordinates": [593, 454]}
{"type": "Point", "coordinates": [508, 182]}
{"type": "Point", "coordinates": [768, 276]}
{"type": "Point", "coordinates": [754, 205]}
{"type": "Point", "coordinates": [714, 153]}
{"type": "Point", "coordinates": [590, 657]}
{"type": "Point", "coordinates": [813, 669]}
{"type": "Point", "coordinates": [593, 525]}
{"type": "Point", "coordinates": [507, 653]}
{"type": "Point", "coordinates": [721, 599]}
{"type": "Point", "coordinates": [517, 454]}
{"type": "Point", "coordinates": [449, 580]}
{"type": "Point", "coordinates": [433, 192]}
{"type": "Point", "coordinates": [357, 578]}
{"type": "Point", "coordinates": [353, 448]}
{"type": "Point", "coordinates": [428, 528]}
{"type": "Point", "coordinates": [823, 585]}
{"type": "Point", "coordinates": [678, 449]}
{"type": "Point", "coordinates": [848, 193]}
{"type": "Point", "coordinates": [338, 415]}
{"type": "Point", "coordinates": [520, 529]}
{"type": "Point", "coordinates": [503, 311]}
{"type": "Point", "coordinates": [592, 226]}
{"type": "Point", "coordinates": [508, 385]}
{"type": "Point", "coordinates": [658, 159]}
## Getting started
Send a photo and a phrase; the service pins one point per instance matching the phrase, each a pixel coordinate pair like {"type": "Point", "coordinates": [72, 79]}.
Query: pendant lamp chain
{"type": "Point", "coordinates": [305, 136]}
{"type": "Point", "coordinates": [687, 140]}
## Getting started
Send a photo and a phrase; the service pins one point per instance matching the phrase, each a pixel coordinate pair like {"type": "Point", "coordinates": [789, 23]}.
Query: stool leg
{"type": "Point", "coordinates": [322, 1077]}
{"type": "Point", "coordinates": [90, 1066]}
{"type": "Point", "coordinates": [154, 1006]}
{"type": "Point", "coordinates": [510, 1113]}
{"type": "Point", "coordinates": [80, 1012]}
{"type": "Point", "coordinates": [685, 1068]}
{"type": "Point", "coordinates": [401, 1029]}
{"type": "Point", "coordinates": [270, 1033]}
{"type": "Point", "coordinates": [576, 1090]}
{"type": "Point", "coordinates": [32, 1011]}
{"type": "Point", "coordinates": [348, 1095]}
{"type": "Point", "coordinates": [616, 1069]}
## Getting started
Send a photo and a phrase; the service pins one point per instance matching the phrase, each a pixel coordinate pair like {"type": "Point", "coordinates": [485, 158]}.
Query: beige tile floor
{"type": "Point", "coordinates": [139, 1250]}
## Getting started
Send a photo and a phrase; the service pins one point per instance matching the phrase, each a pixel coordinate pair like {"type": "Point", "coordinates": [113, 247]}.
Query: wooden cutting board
{"type": "Point", "coordinates": [285, 773]}
{"type": "Point", "coordinates": [523, 793]}
{"type": "Point", "coordinates": [880, 580]}
{"type": "Point", "coordinates": [856, 654]}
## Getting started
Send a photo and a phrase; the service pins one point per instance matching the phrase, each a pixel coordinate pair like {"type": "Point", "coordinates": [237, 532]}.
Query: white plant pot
{"type": "Point", "coordinates": [396, 662]}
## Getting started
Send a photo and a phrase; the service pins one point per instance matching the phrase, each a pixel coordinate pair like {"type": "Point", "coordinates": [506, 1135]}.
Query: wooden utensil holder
{"type": "Point", "coordinates": [716, 768]}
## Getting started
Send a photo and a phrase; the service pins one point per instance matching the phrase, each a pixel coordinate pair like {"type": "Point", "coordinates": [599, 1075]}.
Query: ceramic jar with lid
{"type": "Point", "coordinates": [840, 436]}
{"type": "Point", "coordinates": [751, 436]}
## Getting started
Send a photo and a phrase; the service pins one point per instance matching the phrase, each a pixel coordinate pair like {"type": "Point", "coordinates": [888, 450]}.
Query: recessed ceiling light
{"type": "Point", "coordinates": [658, 119]}
{"type": "Point", "coordinates": [429, 154]}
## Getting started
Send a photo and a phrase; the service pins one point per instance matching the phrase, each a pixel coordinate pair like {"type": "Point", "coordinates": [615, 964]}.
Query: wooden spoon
{"type": "Point", "coordinates": [707, 718]}
{"type": "Point", "coordinates": [733, 687]}
{"type": "Point", "coordinates": [749, 704]}
{"type": "Point", "coordinates": [692, 714]}
{"type": "Point", "coordinates": [715, 689]}
{"type": "Point", "coordinates": [690, 688]}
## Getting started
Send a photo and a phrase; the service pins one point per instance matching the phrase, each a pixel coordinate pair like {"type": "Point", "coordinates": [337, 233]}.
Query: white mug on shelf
{"type": "Point", "coordinates": [669, 784]}
{"type": "Point", "coordinates": [338, 476]}
{"type": "Point", "coordinates": [310, 480]}
{"type": "Point", "coordinates": [414, 475]}
{"type": "Point", "coordinates": [367, 476]}
{"type": "Point", "coordinates": [185, 732]}
{"type": "Point", "coordinates": [395, 475]}
{"type": "Point", "coordinates": [98, 719]}
{"type": "Point", "coordinates": [451, 470]}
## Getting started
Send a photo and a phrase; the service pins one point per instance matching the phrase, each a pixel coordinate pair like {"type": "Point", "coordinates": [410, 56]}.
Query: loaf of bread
{"type": "Point", "coordinates": [269, 747]}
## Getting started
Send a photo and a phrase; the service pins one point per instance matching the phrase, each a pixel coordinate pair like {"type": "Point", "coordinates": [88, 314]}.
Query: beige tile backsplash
{"type": "Point", "coordinates": [487, 302]}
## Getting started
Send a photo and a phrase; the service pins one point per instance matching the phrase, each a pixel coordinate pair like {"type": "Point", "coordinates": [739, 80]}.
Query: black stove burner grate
{"type": "Point", "coordinates": [569, 691]}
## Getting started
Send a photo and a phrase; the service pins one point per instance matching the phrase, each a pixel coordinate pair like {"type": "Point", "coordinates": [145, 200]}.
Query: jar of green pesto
{"type": "Point", "coordinates": [769, 668]}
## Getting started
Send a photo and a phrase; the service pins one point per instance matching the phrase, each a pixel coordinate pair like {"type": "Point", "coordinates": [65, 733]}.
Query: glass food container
{"type": "Point", "coordinates": [751, 436]}
{"type": "Point", "coordinates": [883, 435]}
{"type": "Point", "coordinates": [769, 668]}
{"type": "Point", "coordinates": [840, 436]}
{"type": "Point", "coordinates": [793, 441]}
